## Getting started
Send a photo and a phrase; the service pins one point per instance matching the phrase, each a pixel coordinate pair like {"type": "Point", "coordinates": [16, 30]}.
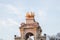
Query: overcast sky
{"type": "Point", "coordinates": [12, 13]}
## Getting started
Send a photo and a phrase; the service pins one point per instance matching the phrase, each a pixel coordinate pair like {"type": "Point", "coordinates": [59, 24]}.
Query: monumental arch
{"type": "Point", "coordinates": [30, 28]}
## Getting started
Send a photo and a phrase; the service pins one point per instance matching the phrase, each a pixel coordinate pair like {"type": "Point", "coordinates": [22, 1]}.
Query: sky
{"type": "Point", "coordinates": [12, 14]}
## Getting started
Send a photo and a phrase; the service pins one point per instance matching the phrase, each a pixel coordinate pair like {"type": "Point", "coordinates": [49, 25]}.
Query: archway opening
{"type": "Point", "coordinates": [29, 36]}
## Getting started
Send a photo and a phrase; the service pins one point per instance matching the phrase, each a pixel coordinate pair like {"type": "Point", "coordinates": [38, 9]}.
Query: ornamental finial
{"type": "Point", "coordinates": [30, 14]}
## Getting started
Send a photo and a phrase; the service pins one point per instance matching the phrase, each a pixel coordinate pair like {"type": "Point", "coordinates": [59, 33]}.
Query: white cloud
{"type": "Point", "coordinates": [8, 22]}
{"type": "Point", "coordinates": [12, 9]}
{"type": "Point", "coordinates": [11, 22]}
{"type": "Point", "coordinates": [43, 15]}
{"type": "Point", "coordinates": [2, 23]}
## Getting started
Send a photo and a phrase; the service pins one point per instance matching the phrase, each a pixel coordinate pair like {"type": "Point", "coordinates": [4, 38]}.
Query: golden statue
{"type": "Point", "coordinates": [29, 15]}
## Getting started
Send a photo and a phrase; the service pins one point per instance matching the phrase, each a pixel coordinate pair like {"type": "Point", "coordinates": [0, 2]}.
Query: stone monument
{"type": "Point", "coordinates": [30, 28]}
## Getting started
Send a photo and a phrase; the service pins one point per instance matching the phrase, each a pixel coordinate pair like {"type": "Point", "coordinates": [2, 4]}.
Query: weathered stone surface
{"type": "Point", "coordinates": [30, 28]}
